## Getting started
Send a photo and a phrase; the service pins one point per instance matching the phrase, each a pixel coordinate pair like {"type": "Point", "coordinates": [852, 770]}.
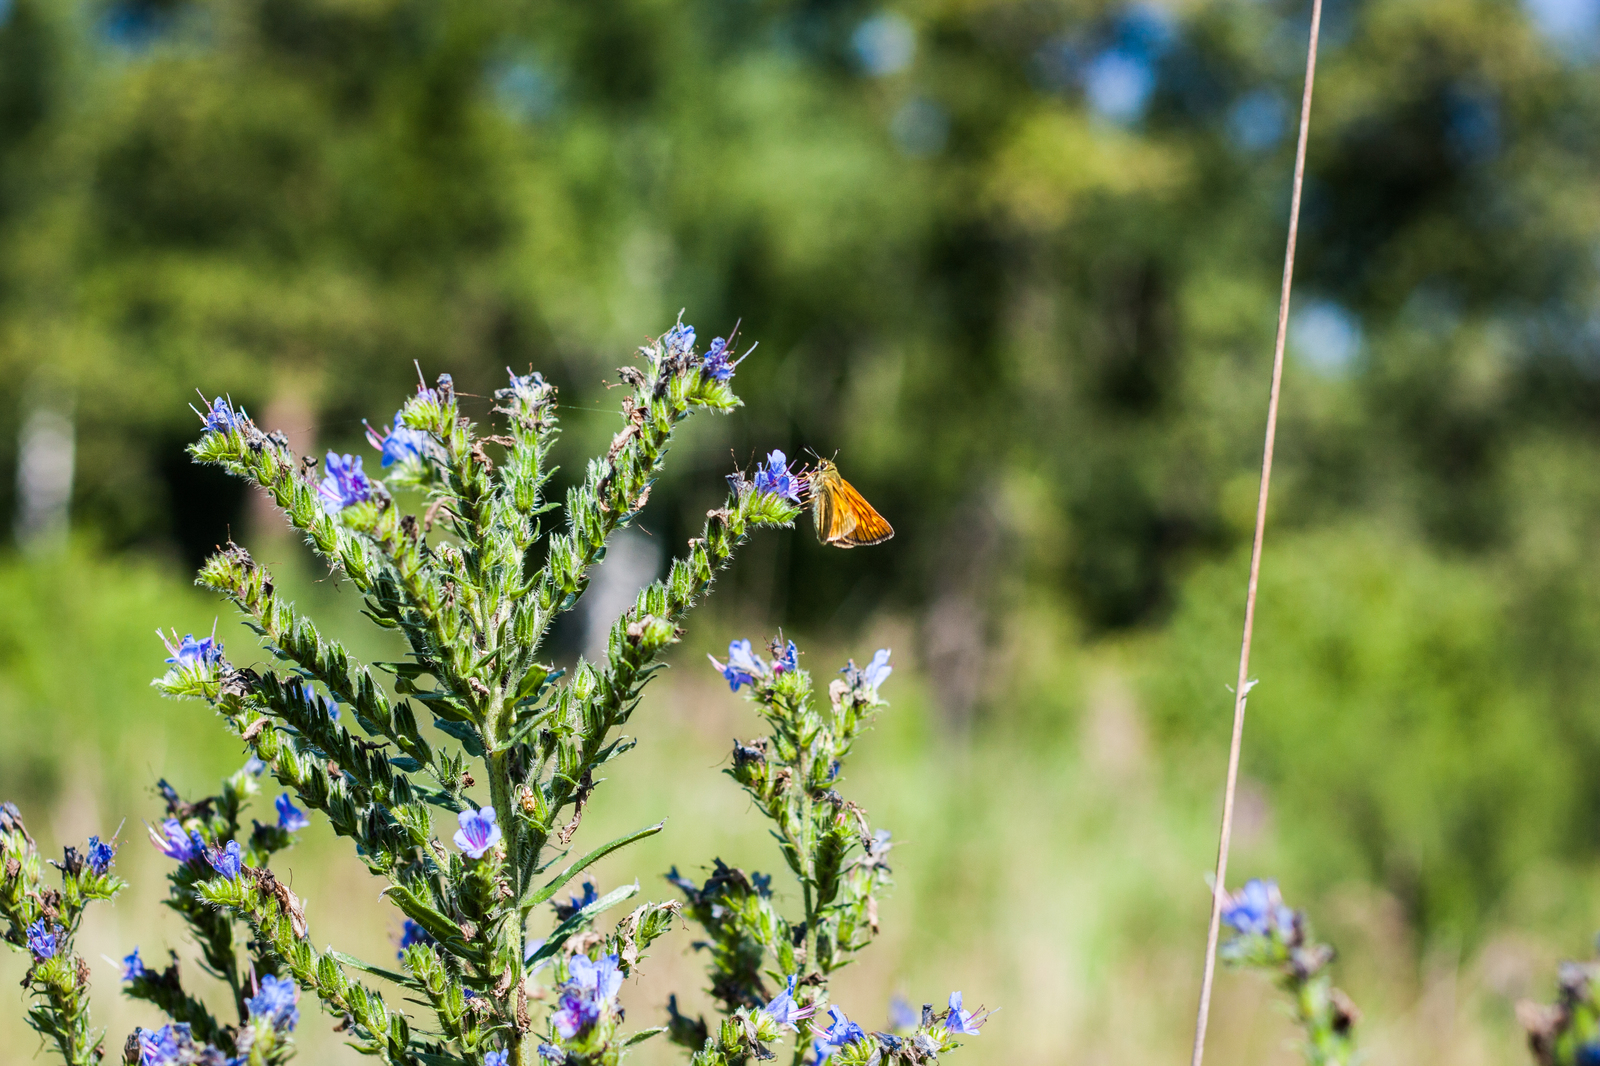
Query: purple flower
{"type": "Point", "coordinates": [785, 1011]}
{"type": "Point", "coordinates": [399, 443]}
{"type": "Point", "coordinates": [787, 659]}
{"type": "Point", "coordinates": [478, 833]}
{"type": "Point", "coordinates": [774, 476]}
{"type": "Point", "coordinates": [175, 843]}
{"type": "Point", "coordinates": [161, 1047]}
{"type": "Point", "coordinates": [576, 1014]}
{"type": "Point", "coordinates": [867, 679]}
{"type": "Point", "coordinates": [290, 818]}
{"type": "Point", "coordinates": [901, 1014]}
{"type": "Point", "coordinates": [43, 940]}
{"type": "Point", "coordinates": [1258, 908]}
{"type": "Point", "coordinates": [841, 1033]}
{"type": "Point", "coordinates": [220, 417]}
{"type": "Point", "coordinates": [960, 1021]}
{"type": "Point", "coordinates": [743, 667]}
{"type": "Point", "coordinates": [495, 1058]}
{"type": "Point", "coordinates": [577, 902]}
{"type": "Point", "coordinates": [552, 1053]}
{"type": "Point", "coordinates": [600, 979]}
{"type": "Point", "coordinates": [679, 340]}
{"type": "Point", "coordinates": [346, 484]}
{"type": "Point", "coordinates": [412, 933]}
{"type": "Point", "coordinates": [276, 1000]}
{"type": "Point", "coordinates": [226, 861]}
{"type": "Point", "coordinates": [192, 654]}
{"type": "Point", "coordinates": [101, 852]}
{"type": "Point", "coordinates": [132, 966]}
{"type": "Point", "coordinates": [718, 362]}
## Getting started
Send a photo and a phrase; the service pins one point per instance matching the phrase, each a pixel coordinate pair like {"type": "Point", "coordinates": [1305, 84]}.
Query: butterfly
{"type": "Point", "coordinates": [842, 517]}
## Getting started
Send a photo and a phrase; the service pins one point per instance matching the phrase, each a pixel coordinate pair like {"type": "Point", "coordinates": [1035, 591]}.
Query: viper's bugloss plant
{"type": "Point", "coordinates": [461, 773]}
{"type": "Point", "coordinates": [43, 922]}
{"type": "Point", "coordinates": [769, 973]}
{"type": "Point", "coordinates": [1273, 938]}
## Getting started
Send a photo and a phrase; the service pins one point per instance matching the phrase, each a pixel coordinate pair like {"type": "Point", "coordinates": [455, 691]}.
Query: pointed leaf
{"type": "Point", "coordinates": [589, 860]}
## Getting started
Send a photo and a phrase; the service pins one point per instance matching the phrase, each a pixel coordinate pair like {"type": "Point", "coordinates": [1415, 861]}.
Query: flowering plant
{"type": "Point", "coordinates": [1272, 937]}
{"type": "Point", "coordinates": [473, 715]}
{"type": "Point", "coordinates": [840, 863]}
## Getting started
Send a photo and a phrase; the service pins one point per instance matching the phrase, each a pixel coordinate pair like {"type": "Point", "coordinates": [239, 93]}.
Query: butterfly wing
{"type": "Point", "coordinates": [842, 515]}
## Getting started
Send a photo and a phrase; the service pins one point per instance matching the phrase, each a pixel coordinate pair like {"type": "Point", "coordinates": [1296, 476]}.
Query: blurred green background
{"type": "Point", "coordinates": [1016, 261]}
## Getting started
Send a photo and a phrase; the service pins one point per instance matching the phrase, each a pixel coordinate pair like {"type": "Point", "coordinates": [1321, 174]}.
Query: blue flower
{"type": "Point", "coordinates": [345, 485]}
{"type": "Point", "coordinates": [160, 1047]}
{"type": "Point", "coordinates": [276, 1001]}
{"type": "Point", "coordinates": [412, 933]}
{"type": "Point", "coordinates": [191, 654]}
{"type": "Point", "coordinates": [600, 978]}
{"type": "Point", "coordinates": [785, 1011]}
{"type": "Point", "coordinates": [101, 852]}
{"type": "Point", "coordinates": [1587, 1054]}
{"type": "Point", "coordinates": [679, 340]}
{"type": "Point", "coordinates": [175, 843]}
{"type": "Point", "coordinates": [495, 1058]}
{"type": "Point", "coordinates": [528, 388]}
{"type": "Point", "coordinates": [901, 1014]}
{"type": "Point", "coordinates": [399, 443]}
{"type": "Point", "coordinates": [43, 940]}
{"type": "Point", "coordinates": [478, 833]}
{"type": "Point", "coordinates": [220, 417]}
{"type": "Point", "coordinates": [842, 1033]}
{"type": "Point", "coordinates": [775, 477]}
{"type": "Point", "coordinates": [577, 902]}
{"type": "Point", "coordinates": [532, 949]}
{"type": "Point", "coordinates": [290, 818]}
{"type": "Point", "coordinates": [551, 1052]}
{"type": "Point", "coordinates": [718, 362]}
{"type": "Point", "coordinates": [226, 861]}
{"type": "Point", "coordinates": [576, 1014]}
{"type": "Point", "coordinates": [743, 666]}
{"type": "Point", "coordinates": [132, 966]}
{"type": "Point", "coordinates": [867, 679]}
{"type": "Point", "coordinates": [960, 1021]}
{"type": "Point", "coordinates": [789, 659]}
{"type": "Point", "coordinates": [254, 766]}
{"type": "Point", "coordinates": [1257, 909]}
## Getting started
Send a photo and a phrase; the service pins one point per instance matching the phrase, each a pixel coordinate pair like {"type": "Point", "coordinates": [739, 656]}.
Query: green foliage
{"type": "Point", "coordinates": [1398, 728]}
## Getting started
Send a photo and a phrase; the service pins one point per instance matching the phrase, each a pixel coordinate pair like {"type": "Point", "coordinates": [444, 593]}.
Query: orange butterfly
{"type": "Point", "coordinates": [842, 517]}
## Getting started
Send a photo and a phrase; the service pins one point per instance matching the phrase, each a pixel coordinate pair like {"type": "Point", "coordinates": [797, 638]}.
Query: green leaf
{"type": "Point", "coordinates": [589, 860]}
{"type": "Point", "coordinates": [463, 732]}
{"type": "Point", "coordinates": [642, 1035]}
{"type": "Point", "coordinates": [377, 971]}
{"type": "Point", "coordinates": [580, 919]}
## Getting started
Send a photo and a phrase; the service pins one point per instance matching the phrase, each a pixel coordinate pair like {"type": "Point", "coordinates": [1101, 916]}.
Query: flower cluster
{"type": "Point", "coordinates": [276, 1002]}
{"type": "Point", "coordinates": [745, 667]}
{"type": "Point", "coordinates": [43, 922]}
{"type": "Point", "coordinates": [588, 995]}
{"type": "Point", "coordinates": [1273, 938]}
{"type": "Point", "coordinates": [841, 862]}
